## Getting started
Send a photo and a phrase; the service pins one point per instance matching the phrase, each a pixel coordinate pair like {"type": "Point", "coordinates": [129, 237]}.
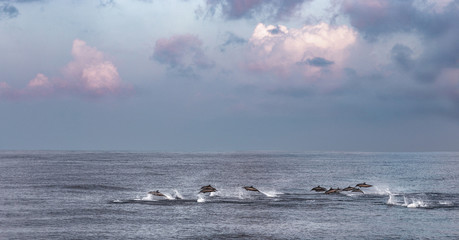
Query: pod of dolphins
{"type": "Point", "coordinates": [209, 189]}
{"type": "Point", "coordinates": [338, 190]}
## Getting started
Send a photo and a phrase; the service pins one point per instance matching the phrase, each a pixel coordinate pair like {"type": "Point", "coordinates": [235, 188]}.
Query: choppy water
{"type": "Point", "coordinates": [94, 195]}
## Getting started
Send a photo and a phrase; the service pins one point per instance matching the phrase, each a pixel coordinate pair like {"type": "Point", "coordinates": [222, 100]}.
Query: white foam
{"type": "Point", "coordinates": [396, 200]}
{"type": "Point", "coordinates": [416, 203]}
{"type": "Point", "coordinates": [168, 196]}
{"type": "Point", "coordinates": [377, 190]}
{"type": "Point", "coordinates": [201, 199]}
{"type": "Point", "coordinates": [149, 197]}
{"type": "Point", "coordinates": [177, 194]}
{"type": "Point", "coordinates": [270, 193]}
{"type": "Point", "coordinates": [392, 200]}
{"type": "Point", "coordinates": [449, 203]}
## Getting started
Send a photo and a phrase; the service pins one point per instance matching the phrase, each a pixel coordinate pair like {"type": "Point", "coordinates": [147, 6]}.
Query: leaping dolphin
{"type": "Point", "coordinates": [208, 188]}
{"type": "Point", "coordinates": [331, 190]}
{"type": "Point", "coordinates": [319, 189]}
{"type": "Point", "coordinates": [349, 188]}
{"type": "Point", "coordinates": [363, 185]}
{"type": "Point", "coordinates": [157, 193]}
{"type": "Point", "coordinates": [251, 188]}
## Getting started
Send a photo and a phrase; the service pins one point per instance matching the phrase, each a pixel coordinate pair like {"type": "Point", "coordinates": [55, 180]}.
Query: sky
{"type": "Point", "coordinates": [229, 75]}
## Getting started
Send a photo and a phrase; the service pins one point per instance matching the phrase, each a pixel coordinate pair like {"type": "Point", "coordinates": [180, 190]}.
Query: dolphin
{"type": "Point", "coordinates": [363, 185]}
{"type": "Point", "coordinates": [349, 188]}
{"type": "Point", "coordinates": [157, 193]}
{"type": "Point", "coordinates": [208, 188]}
{"type": "Point", "coordinates": [319, 189]}
{"type": "Point", "coordinates": [332, 190]}
{"type": "Point", "coordinates": [251, 188]}
{"type": "Point", "coordinates": [357, 190]}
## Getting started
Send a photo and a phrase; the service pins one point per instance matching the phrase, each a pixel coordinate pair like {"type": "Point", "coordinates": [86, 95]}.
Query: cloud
{"type": "Point", "coordinates": [183, 53]}
{"type": "Point", "coordinates": [378, 17]}
{"type": "Point", "coordinates": [232, 40]}
{"type": "Point", "coordinates": [434, 24]}
{"type": "Point", "coordinates": [319, 62]}
{"type": "Point", "coordinates": [402, 56]}
{"type": "Point", "coordinates": [106, 3]}
{"type": "Point", "coordinates": [305, 51]}
{"type": "Point", "coordinates": [89, 74]}
{"type": "Point", "coordinates": [237, 9]}
{"type": "Point", "coordinates": [8, 11]}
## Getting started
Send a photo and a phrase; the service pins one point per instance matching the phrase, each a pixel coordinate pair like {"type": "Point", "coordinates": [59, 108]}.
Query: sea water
{"type": "Point", "coordinates": [104, 195]}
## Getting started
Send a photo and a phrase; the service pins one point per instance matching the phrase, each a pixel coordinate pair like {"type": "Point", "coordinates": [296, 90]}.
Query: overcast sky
{"type": "Point", "coordinates": [221, 75]}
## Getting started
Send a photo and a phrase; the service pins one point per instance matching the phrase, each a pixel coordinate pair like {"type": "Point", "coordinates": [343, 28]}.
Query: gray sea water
{"type": "Point", "coordinates": [104, 195]}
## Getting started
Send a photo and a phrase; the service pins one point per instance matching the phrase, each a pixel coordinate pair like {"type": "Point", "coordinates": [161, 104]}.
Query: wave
{"type": "Point", "coordinates": [420, 200]}
{"type": "Point", "coordinates": [93, 187]}
{"type": "Point", "coordinates": [167, 196]}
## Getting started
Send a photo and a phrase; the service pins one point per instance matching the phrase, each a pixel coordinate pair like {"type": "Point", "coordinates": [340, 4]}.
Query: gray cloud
{"type": "Point", "coordinates": [21, 1]}
{"type": "Point", "coordinates": [438, 30]}
{"type": "Point", "coordinates": [106, 3]}
{"type": "Point", "coordinates": [238, 9]}
{"type": "Point", "coordinates": [319, 62]}
{"type": "Point", "coordinates": [381, 17]}
{"type": "Point", "coordinates": [8, 11]}
{"type": "Point", "coordinates": [402, 56]}
{"type": "Point", "coordinates": [232, 40]}
{"type": "Point", "coordinates": [183, 53]}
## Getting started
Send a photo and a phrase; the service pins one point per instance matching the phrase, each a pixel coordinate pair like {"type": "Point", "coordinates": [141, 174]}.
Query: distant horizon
{"type": "Point", "coordinates": [306, 75]}
{"type": "Point", "coordinates": [215, 151]}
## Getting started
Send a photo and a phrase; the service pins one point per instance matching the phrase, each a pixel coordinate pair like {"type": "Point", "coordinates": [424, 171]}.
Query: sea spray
{"type": "Point", "coordinates": [178, 195]}
{"type": "Point", "coordinates": [169, 196]}
{"type": "Point", "coordinates": [392, 200]}
{"type": "Point", "coordinates": [270, 194]}
{"type": "Point", "coordinates": [201, 199]}
{"type": "Point", "coordinates": [149, 197]}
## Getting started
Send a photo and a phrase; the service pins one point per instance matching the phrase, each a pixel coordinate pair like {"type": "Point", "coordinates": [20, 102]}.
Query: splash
{"type": "Point", "coordinates": [392, 200]}
{"type": "Point", "coordinates": [415, 203]}
{"type": "Point", "coordinates": [177, 194]}
{"type": "Point", "coordinates": [377, 190]}
{"type": "Point", "coordinates": [169, 196]}
{"type": "Point", "coordinates": [270, 194]}
{"type": "Point", "coordinates": [201, 199]}
{"type": "Point", "coordinates": [149, 197]}
{"type": "Point", "coordinates": [447, 203]}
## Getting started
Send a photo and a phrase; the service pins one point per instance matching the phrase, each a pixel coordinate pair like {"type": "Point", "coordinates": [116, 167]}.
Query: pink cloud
{"type": "Point", "coordinates": [310, 51]}
{"type": "Point", "coordinates": [39, 81]}
{"type": "Point", "coordinates": [89, 74]}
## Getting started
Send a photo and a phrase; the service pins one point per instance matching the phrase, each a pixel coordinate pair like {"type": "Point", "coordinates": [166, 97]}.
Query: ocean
{"type": "Point", "coordinates": [104, 195]}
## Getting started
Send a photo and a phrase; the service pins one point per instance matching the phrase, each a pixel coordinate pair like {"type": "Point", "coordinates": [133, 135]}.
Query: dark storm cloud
{"type": "Point", "coordinates": [438, 30]}
{"type": "Point", "coordinates": [375, 18]}
{"type": "Point", "coordinates": [8, 11]}
{"type": "Point", "coordinates": [238, 9]}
